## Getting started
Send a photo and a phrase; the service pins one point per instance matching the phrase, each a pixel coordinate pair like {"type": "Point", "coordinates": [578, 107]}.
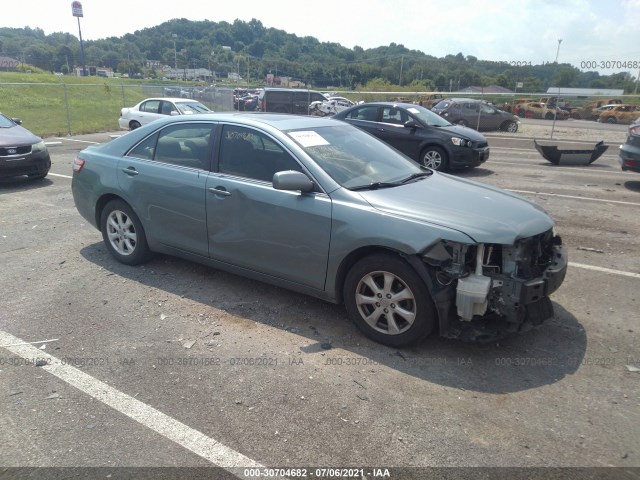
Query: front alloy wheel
{"type": "Point", "coordinates": [511, 127]}
{"type": "Point", "coordinates": [388, 301]}
{"type": "Point", "coordinates": [434, 158]}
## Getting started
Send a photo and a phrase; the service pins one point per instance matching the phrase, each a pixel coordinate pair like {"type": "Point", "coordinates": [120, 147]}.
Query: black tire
{"type": "Point", "coordinates": [509, 126]}
{"type": "Point", "coordinates": [123, 234]}
{"type": "Point", "coordinates": [435, 158]}
{"type": "Point", "coordinates": [39, 176]}
{"type": "Point", "coordinates": [521, 113]}
{"type": "Point", "coordinates": [612, 120]}
{"type": "Point", "coordinates": [549, 116]}
{"type": "Point", "coordinates": [396, 324]}
{"type": "Point", "coordinates": [133, 125]}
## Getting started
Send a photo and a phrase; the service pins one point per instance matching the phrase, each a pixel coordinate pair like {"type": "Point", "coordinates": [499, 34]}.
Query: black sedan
{"type": "Point", "coordinates": [629, 155]}
{"type": "Point", "coordinates": [420, 134]}
{"type": "Point", "coordinates": [21, 152]}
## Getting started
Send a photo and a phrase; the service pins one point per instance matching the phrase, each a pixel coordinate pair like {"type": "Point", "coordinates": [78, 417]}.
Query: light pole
{"type": "Point", "coordinates": [76, 10]}
{"type": "Point", "coordinates": [557, 102]}
{"type": "Point", "coordinates": [558, 51]}
{"type": "Point", "coordinates": [175, 53]}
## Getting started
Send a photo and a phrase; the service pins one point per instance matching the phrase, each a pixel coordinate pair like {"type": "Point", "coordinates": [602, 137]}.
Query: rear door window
{"type": "Point", "coordinates": [151, 106]}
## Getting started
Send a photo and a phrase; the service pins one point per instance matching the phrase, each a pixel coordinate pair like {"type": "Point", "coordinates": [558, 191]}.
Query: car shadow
{"type": "Point", "coordinates": [22, 184]}
{"type": "Point", "coordinates": [542, 356]}
{"type": "Point", "coordinates": [633, 185]}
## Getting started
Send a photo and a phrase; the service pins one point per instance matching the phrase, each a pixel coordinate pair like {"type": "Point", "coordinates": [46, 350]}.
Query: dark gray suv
{"type": "Point", "coordinates": [288, 100]}
{"type": "Point", "coordinates": [476, 114]}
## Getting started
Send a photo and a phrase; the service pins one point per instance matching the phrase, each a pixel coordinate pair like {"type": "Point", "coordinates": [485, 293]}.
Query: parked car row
{"type": "Point", "coordinates": [246, 100]}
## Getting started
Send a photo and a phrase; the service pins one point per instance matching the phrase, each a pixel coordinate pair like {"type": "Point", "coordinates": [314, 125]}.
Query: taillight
{"type": "Point", "coordinates": [635, 130]}
{"type": "Point", "coordinates": [77, 166]}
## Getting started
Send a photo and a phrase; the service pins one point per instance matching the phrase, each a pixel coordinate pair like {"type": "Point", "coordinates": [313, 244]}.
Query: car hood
{"type": "Point", "coordinates": [464, 132]}
{"type": "Point", "coordinates": [484, 213]}
{"type": "Point", "coordinates": [17, 135]}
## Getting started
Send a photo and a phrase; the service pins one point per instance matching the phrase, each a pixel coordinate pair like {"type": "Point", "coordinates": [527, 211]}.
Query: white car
{"type": "Point", "coordinates": [330, 106]}
{"type": "Point", "coordinates": [154, 108]}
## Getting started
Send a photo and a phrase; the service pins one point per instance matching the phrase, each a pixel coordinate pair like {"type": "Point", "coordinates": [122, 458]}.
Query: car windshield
{"type": "Point", "coordinates": [427, 117]}
{"type": "Point", "coordinates": [6, 122]}
{"type": "Point", "coordinates": [353, 158]}
{"type": "Point", "coordinates": [192, 107]}
{"type": "Point", "coordinates": [442, 104]}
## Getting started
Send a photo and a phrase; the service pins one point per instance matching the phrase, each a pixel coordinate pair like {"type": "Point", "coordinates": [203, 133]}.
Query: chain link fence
{"type": "Point", "coordinates": [58, 109]}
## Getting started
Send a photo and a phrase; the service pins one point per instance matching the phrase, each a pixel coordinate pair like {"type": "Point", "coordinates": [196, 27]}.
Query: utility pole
{"type": "Point", "coordinates": [175, 53]}
{"type": "Point", "coordinates": [558, 51]}
{"type": "Point", "coordinates": [401, 67]}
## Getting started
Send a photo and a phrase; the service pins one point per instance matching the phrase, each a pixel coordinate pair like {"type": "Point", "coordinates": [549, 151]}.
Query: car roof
{"type": "Point", "coordinates": [171, 99]}
{"type": "Point", "coordinates": [462, 99]}
{"type": "Point", "coordinates": [387, 104]}
{"type": "Point", "coordinates": [280, 121]}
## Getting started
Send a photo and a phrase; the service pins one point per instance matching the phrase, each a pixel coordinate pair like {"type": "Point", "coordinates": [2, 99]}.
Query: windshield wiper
{"type": "Point", "coordinates": [375, 186]}
{"type": "Point", "coordinates": [417, 175]}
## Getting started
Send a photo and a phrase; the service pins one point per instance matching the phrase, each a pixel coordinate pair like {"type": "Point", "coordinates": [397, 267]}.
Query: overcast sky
{"type": "Point", "coordinates": [516, 30]}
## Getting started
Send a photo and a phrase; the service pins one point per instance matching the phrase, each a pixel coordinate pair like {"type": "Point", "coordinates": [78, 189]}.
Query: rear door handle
{"type": "Point", "coordinates": [220, 191]}
{"type": "Point", "coordinates": [131, 171]}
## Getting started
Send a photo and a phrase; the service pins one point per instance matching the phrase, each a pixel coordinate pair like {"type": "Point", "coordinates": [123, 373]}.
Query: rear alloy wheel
{"type": "Point", "coordinates": [434, 158]}
{"type": "Point", "coordinates": [133, 125]}
{"type": "Point", "coordinates": [612, 120]}
{"type": "Point", "coordinates": [123, 234]}
{"type": "Point", "coordinates": [548, 116]}
{"type": "Point", "coordinates": [511, 127]}
{"type": "Point", "coordinates": [388, 301]}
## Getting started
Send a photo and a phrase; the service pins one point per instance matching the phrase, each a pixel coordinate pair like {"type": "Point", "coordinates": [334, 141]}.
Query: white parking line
{"type": "Point", "coordinates": [59, 175]}
{"type": "Point", "coordinates": [605, 270]}
{"type": "Point", "coordinates": [185, 436]}
{"type": "Point", "coordinates": [79, 141]}
{"type": "Point", "coordinates": [574, 197]}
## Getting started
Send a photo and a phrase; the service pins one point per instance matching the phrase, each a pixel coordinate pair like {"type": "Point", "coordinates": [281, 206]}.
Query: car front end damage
{"type": "Point", "coordinates": [483, 292]}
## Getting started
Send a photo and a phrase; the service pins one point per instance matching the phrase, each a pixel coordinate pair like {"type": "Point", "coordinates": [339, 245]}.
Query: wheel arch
{"type": "Point", "coordinates": [432, 143]}
{"type": "Point", "coordinates": [102, 202]}
{"type": "Point", "coordinates": [351, 259]}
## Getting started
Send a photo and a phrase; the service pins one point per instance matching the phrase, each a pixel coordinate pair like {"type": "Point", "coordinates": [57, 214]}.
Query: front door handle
{"type": "Point", "coordinates": [220, 191]}
{"type": "Point", "coordinates": [131, 171]}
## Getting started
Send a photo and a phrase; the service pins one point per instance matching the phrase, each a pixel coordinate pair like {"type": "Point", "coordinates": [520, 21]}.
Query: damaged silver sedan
{"type": "Point", "coordinates": [323, 208]}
